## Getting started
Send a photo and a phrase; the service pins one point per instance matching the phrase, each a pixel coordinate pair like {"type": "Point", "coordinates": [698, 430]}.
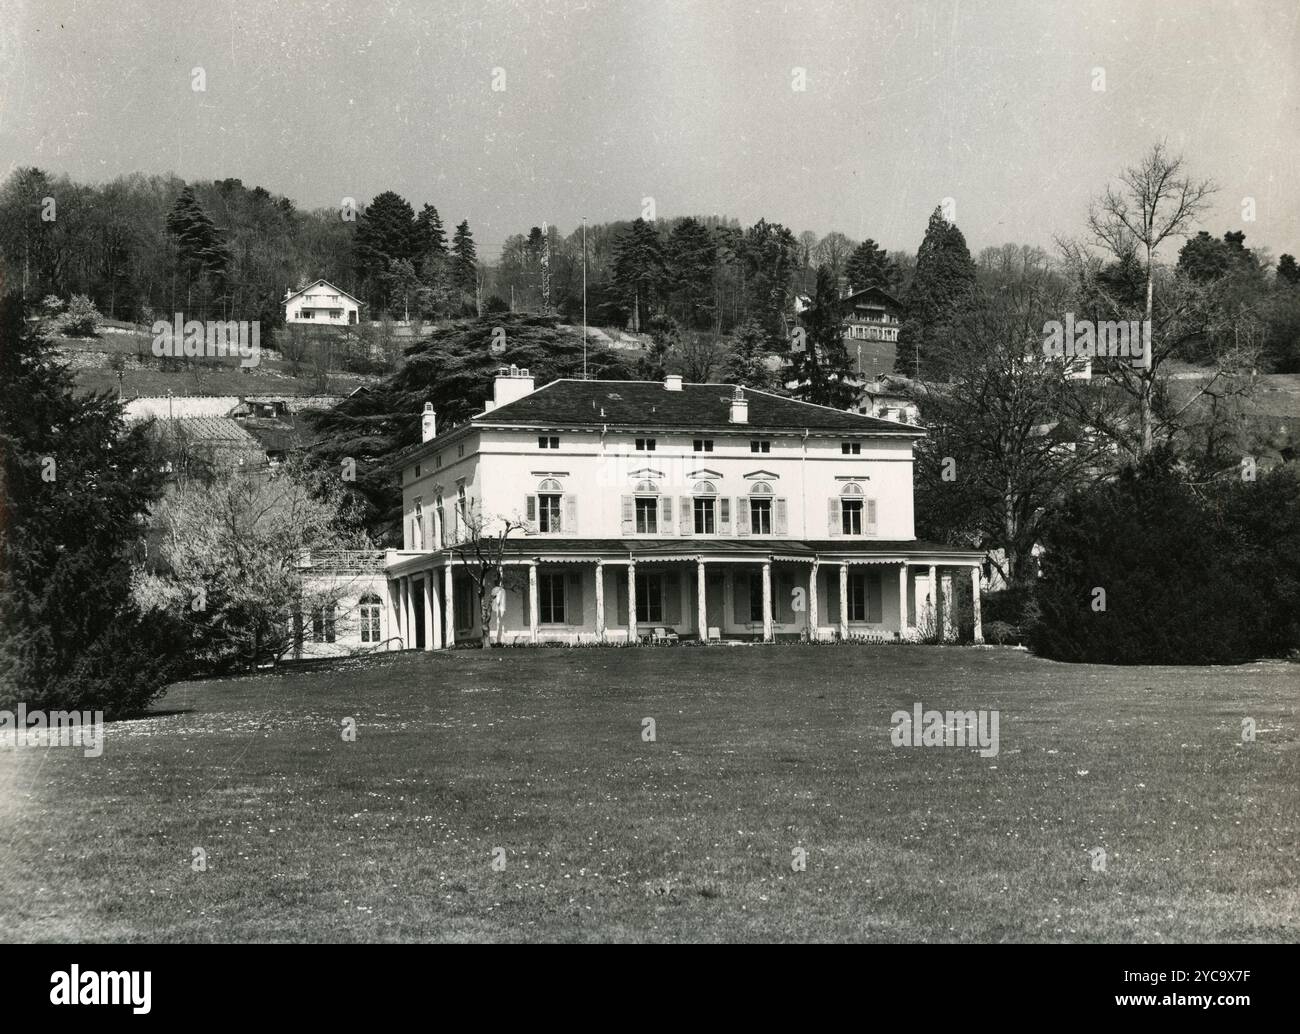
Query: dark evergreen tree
{"type": "Point", "coordinates": [940, 296]}
{"type": "Point", "coordinates": [386, 232]}
{"type": "Point", "coordinates": [871, 266]}
{"type": "Point", "coordinates": [75, 488]}
{"type": "Point", "coordinates": [201, 246]}
{"type": "Point", "coordinates": [639, 269]}
{"type": "Point", "coordinates": [464, 265]}
{"type": "Point", "coordinates": [691, 265]}
{"type": "Point", "coordinates": [821, 366]}
{"type": "Point", "coordinates": [1288, 271]}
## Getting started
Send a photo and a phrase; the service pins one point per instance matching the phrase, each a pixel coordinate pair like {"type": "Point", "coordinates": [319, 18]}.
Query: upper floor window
{"type": "Point", "coordinates": [322, 623]}
{"type": "Point", "coordinates": [645, 445]}
{"type": "Point", "coordinates": [417, 533]}
{"type": "Point", "coordinates": [760, 445]}
{"type": "Point", "coordinates": [437, 462]}
{"type": "Point", "coordinates": [851, 448]}
{"type": "Point", "coordinates": [417, 470]}
{"type": "Point", "coordinates": [549, 499]}
{"type": "Point", "coordinates": [460, 449]}
{"type": "Point", "coordinates": [438, 529]}
{"type": "Point", "coordinates": [646, 504]}
{"type": "Point", "coordinates": [857, 514]}
{"type": "Point", "coordinates": [548, 442]}
{"type": "Point", "coordinates": [705, 508]}
{"type": "Point", "coordinates": [703, 445]}
{"type": "Point", "coordinates": [760, 509]}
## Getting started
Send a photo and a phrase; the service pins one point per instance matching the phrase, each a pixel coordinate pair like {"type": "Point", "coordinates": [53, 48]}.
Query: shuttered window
{"type": "Point", "coordinates": [649, 598]}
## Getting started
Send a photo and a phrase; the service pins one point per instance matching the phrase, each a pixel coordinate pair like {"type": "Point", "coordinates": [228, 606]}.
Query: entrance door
{"type": "Point", "coordinates": [714, 605]}
{"type": "Point", "coordinates": [417, 591]}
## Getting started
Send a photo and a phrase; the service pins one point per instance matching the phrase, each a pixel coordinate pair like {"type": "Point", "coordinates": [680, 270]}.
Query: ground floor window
{"type": "Point", "coordinates": [864, 596]}
{"type": "Point", "coordinates": [369, 612]}
{"type": "Point", "coordinates": [322, 624]}
{"type": "Point", "coordinates": [649, 598]}
{"type": "Point", "coordinates": [756, 597]}
{"type": "Point", "coordinates": [550, 597]}
{"type": "Point", "coordinates": [463, 597]}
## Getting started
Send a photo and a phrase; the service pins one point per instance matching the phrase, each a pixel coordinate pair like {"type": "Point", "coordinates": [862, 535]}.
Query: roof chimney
{"type": "Point", "coordinates": [512, 382]}
{"type": "Point", "coordinates": [739, 407]}
{"type": "Point", "coordinates": [673, 382]}
{"type": "Point", "coordinates": [428, 424]}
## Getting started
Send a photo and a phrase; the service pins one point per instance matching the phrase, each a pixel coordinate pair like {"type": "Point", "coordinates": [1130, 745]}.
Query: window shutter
{"type": "Point", "coordinates": [833, 517]}
{"type": "Point", "coordinates": [685, 514]}
{"type": "Point", "coordinates": [672, 600]}
{"type": "Point", "coordinates": [570, 515]}
{"type": "Point", "coordinates": [629, 523]}
{"type": "Point", "coordinates": [781, 527]}
{"type": "Point", "coordinates": [665, 515]}
{"type": "Point", "coordinates": [833, 596]}
{"type": "Point", "coordinates": [532, 509]}
{"type": "Point", "coordinates": [573, 599]}
{"type": "Point", "coordinates": [620, 592]}
{"type": "Point", "coordinates": [724, 516]}
{"type": "Point", "coordinates": [742, 515]}
{"type": "Point", "coordinates": [871, 517]}
{"type": "Point", "coordinates": [873, 596]}
{"type": "Point", "coordinates": [740, 598]}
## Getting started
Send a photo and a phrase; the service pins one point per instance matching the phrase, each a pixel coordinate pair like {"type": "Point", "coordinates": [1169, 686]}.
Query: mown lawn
{"type": "Point", "coordinates": [608, 837]}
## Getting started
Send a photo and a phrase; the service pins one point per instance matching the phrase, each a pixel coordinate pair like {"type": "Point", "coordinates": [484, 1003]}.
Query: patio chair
{"type": "Point", "coordinates": [663, 635]}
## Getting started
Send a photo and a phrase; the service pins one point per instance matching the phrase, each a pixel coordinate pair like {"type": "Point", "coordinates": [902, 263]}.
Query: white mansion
{"type": "Point", "coordinates": [657, 510]}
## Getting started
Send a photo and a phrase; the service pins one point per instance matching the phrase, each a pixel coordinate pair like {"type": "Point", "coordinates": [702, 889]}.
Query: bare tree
{"type": "Point", "coordinates": [1153, 201]}
{"type": "Point", "coordinates": [834, 251]}
{"type": "Point", "coordinates": [480, 548]}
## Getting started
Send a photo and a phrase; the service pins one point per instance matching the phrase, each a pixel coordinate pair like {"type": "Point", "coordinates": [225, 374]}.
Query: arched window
{"type": "Point", "coordinates": [369, 607]}
{"type": "Point", "coordinates": [852, 507]}
{"type": "Point", "coordinates": [704, 504]}
{"type": "Point", "coordinates": [645, 503]}
{"type": "Point", "coordinates": [646, 488]}
{"type": "Point", "coordinates": [549, 499]}
{"type": "Point", "coordinates": [760, 509]}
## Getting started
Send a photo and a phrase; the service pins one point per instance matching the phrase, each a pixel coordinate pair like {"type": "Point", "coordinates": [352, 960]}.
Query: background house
{"type": "Point", "coordinates": [321, 303]}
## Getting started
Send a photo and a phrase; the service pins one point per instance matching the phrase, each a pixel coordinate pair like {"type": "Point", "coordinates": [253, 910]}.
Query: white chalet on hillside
{"type": "Point", "coordinates": [321, 303]}
{"type": "Point", "coordinates": [656, 511]}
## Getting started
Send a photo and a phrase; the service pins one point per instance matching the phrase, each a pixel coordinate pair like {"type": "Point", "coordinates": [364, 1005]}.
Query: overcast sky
{"type": "Point", "coordinates": [690, 103]}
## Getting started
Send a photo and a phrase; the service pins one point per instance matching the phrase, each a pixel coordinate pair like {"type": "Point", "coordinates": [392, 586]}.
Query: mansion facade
{"type": "Point", "coordinates": [638, 511]}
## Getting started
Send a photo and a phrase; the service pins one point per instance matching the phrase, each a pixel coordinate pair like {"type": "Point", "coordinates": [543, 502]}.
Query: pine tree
{"type": "Point", "coordinates": [201, 245]}
{"type": "Point", "coordinates": [464, 265]}
{"type": "Point", "coordinates": [746, 361]}
{"type": "Point", "coordinates": [821, 366]}
{"type": "Point", "coordinates": [871, 266]}
{"type": "Point", "coordinates": [75, 487]}
{"type": "Point", "coordinates": [639, 268]}
{"type": "Point", "coordinates": [942, 291]}
{"type": "Point", "coordinates": [386, 232]}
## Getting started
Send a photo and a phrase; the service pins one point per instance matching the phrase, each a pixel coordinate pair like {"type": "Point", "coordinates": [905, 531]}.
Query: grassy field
{"type": "Point", "coordinates": [606, 836]}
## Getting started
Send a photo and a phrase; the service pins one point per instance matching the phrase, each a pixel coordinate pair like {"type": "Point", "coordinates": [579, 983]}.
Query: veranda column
{"type": "Point", "coordinates": [600, 601]}
{"type": "Point", "coordinates": [408, 621]}
{"type": "Point", "coordinates": [948, 630]}
{"type": "Point", "coordinates": [434, 605]}
{"type": "Point", "coordinates": [932, 610]}
{"type": "Point", "coordinates": [902, 601]}
{"type": "Point", "coordinates": [449, 605]}
{"type": "Point", "coordinates": [767, 602]}
{"type": "Point", "coordinates": [844, 601]}
{"type": "Point", "coordinates": [393, 599]}
{"type": "Point", "coordinates": [976, 581]}
{"type": "Point", "coordinates": [701, 609]}
{"type": "Point", "coordinates": [428, 610]}
{"type": "Point", "coordinates": [631, 602]}
{"type": "Point", "coordinates": [813, 615]}
{"type": "Point", "coordinates": [533, 617]}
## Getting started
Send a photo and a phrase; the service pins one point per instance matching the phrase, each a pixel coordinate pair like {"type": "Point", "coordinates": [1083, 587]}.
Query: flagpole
{"type": "Point", "coordinates": [584, 297]}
